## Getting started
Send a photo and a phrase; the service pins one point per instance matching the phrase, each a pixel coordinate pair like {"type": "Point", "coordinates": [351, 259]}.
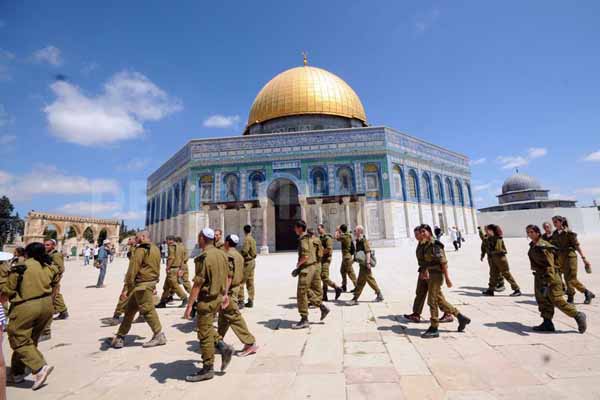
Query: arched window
{"type": "Point", "coordinates": [449, 192]}
{"type": "Point", "coordinates": [169, 203]}
{"type": "Point", "coordinates": [371, 178]}
{"type": "Point", "coordinates": [148, 208]}
{"type": "Point", "coordinates": [184, 201]}
{"type": "Point", "coordinates": [397, 180]}
{"type": "Point", "coordinates": [231, 189]}
{"type": "Point", "coordinates": [255, 179]}
{"type": "Point", "coordinates": [470, 196]}
{"type": "Point", "coordinates": [459, 193]}
{"type": "Point", "coordinates": [413, 189]}
{"type": "Point", "coordinates": [206, 188]}
{"type": "Point", "coordinates": [345, 180]}
{"type": "Point", "coordinates": [152, 205]}
{"type": "Point", "coordinates": [319, 181]}
{"type": "Point", "coordinates": [427, 188]}
{"type": "Point", "coordinates": [163, 206]}
{"type": "Point", "coordinates": [176, 200]}
{"type": "Point", "coordinates": [438, 190]}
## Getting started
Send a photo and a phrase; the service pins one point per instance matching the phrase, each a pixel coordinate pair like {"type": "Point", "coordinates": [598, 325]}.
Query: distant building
{"type": "Point", "coordinates": [524, 201]}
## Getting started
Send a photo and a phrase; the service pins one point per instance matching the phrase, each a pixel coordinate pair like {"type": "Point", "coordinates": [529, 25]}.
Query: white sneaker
{"type": "Point", "coordinates": [41, 376]}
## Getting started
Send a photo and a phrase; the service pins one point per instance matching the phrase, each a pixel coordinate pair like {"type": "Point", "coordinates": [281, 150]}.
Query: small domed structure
{"type": "Point", "coordinates": [519, 182]}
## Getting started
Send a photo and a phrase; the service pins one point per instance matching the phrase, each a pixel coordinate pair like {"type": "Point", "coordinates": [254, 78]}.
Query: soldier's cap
{"type": "Point", "coordinates": [208, 233]}
{"type": "Point", "coordinates": [234, 238]}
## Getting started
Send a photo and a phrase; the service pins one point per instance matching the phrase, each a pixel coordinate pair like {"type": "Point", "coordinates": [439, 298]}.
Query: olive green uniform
{"type": "Point", "coordinates": [58, 302]}
{"type": "Point", "coordinates": [431, 255]}
{"type": "Point", "coordinates": [120, 309]}
{"type": "Point", "coordinates": [249, 254]}
{"type": "Point", "coordinates": [174, 263]}
{"type": "Point", "coordinates": [316, 284]}
{"type": "Point", "coordinates": [231, 316]}
{"type": "Point", "coordinates": [327, 243]}
{"type": "Point", "coordinates": [566, 243]}
{"type": "Point", "coordinates": [496, 253]}
{"type": "Point", "coordinates": [211, 277]}
{"type": "Point", "coordinates": [547, 282]}
{"type": "Point", "coordinates": [185, 277]}
{"type": "Point", "coordinates": [140, 281]}
{"type": "Point", "coordinates": [4, 272]}
{"type": "Point", "coordinates": [421, 290]}
{"type": "Point", "coordinates": [346, 269]}
{"type": "Point", "coordinates": [30, 310]}
{"type": "Point", "coordinates": [306, 274]}
{"type": "Point", "coordinates": [365, 273]}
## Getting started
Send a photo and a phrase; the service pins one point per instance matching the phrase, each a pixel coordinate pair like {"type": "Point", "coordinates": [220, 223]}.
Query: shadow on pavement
{"type": "Point", "coordinates": [177, 370]}
{"type": "Point", "coordinates": [185, 327]}
{"type": "Point", "coordinates": [289, 306]}
{"type": "Point", "coordinates": [277, 323]}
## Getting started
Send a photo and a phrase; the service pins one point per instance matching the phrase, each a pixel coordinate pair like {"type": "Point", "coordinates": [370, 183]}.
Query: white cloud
{"type": "Point", "coordinates": [48, 180]}
{"type": "Point", "coordinates": [129, 99]}
{"type": "Point", "coordinates": [48, 54]}
{"type": "Point", "coordinates": [221, 121]}
{"type": "Point", "coordinates": [509, 162]}
{"type": "Point", "coordinates": [595, 156]}
{"type": "Point", "coordinates": [89, 208]}
{"type": "Point", "coordinates": [425, 21]}
{"type": "Point", "coordinates": [5, 140]}
{"type": "Point", "coordinates": [479, 161]}
{"type": "Point", "coordinates": [589, 190]}
{"type": "Point", "coordinates": [130, 215]}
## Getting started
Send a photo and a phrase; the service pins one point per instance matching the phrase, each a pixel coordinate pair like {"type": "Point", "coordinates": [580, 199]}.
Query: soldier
{"type": "Point", "coordinates": [365, 274]}
{"type": "Point", "coordinates": [547, 283]}
{"type": "Point", "coordinates": [305, 271]}
{"type": "Point", "coordinates": [174, 264]}
{"type": "Point", "coordinates": [219, 239]}
{"type": "Point", "coordinates": [547, 235]}
{"type": "Point", "coordinates": [342, 235]}
{"type": "Point", "coordinates": [184, 270]}
{"type": "Point", "coordinates": [210, 284]}
{"type": "Point", "coordinates": [421, 291]}
{"type": "Point", "coordinates": [500, 279]}
{"type": "Point", "coordinates": [142, 276]}
{"type": "Point", "coordinates": [430, 254]}
{"type": "Point", "coordinates": [327, 243]}
{"type": "Point", "coordinates": [122, 303]}
{"type": "Point", "coordinates": [565, 240]}
{"type": "Point", "coordinates": [230, 315]}
{"type": "Point", "coordinates": [29, 287]}
{"type": "Point", "coordinates": [57, 298]}
{"type": "Point", "coordinates": [496, 253]}
{"type": "Point", "coordinates": [249, 254]}
{"type": "Point", "coordinates": [316, 285]}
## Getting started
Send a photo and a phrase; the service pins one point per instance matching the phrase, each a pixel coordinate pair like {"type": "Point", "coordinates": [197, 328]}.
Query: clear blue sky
{"type": "Point", "coordinates": [506, 83]}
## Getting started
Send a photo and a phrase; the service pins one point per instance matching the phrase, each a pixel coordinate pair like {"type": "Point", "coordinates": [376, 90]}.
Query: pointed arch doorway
{"type": "Point", "coordinates": [284, 195]}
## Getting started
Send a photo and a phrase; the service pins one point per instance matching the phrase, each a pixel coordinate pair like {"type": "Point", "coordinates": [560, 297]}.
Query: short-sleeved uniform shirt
{"type": "Point", "coordinates": [431, 255]}
{"type": "Point", "coordinates": [212, 268]}
{"type": "Point", "coordinates": [306, 249]}
{"type": "Point", "coordinates": [144, 266]}
{"type": "Point", "coordinates": [346, 241]}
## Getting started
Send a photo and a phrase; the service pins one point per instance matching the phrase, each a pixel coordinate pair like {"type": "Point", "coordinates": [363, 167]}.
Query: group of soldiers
{"type": "Point", "coordinates": [222, 273]}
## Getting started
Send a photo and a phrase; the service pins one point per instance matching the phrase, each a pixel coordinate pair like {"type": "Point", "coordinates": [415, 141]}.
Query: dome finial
{"type": "Point", "coordinates": [305, 58]}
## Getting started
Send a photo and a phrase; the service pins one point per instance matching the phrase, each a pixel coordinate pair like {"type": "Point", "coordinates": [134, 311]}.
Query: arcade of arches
{"type": "Point", "coordinates": [37, 224]}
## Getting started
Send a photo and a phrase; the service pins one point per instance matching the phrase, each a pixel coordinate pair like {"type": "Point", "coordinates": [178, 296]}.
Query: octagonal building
{"type": "Point", "coordinates": [308, 152]}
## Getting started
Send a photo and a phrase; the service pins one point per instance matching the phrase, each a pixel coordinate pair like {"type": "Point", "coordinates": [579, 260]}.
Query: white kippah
{"type": "Point", "coordinates": [208, 233]}
{"type": "Point", "coordinates": [234, 238]}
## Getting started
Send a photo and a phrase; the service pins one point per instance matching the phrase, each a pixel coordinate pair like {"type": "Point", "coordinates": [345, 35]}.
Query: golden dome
{"type": "Point", "coordinates": [306, 90]}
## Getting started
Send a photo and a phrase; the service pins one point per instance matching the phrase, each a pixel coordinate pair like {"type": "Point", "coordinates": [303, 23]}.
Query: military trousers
{"type": "Point", "coordinates": [248, 281]}
{"type": "Point", "coordinates": [186, 278]}
{"type": "Point", "coordinates": [26, 323]}
{"type": "Point", "coordinates": [568, 267]}
{"type": "Point", "coordinates": [207, 308]}
{"type": "Point", "coordinates": [305, 278]}
{"type": "Point", "coordinates": [172, 285]}
{"type": "Point", "coordinates": [140, 299]}
{"type": "Point", "coordinates": [499, 269]}
{"type": "Point", "coordinates": [327, 282]}
{"type": "Point", "coordinates": [232, 317]}
{"type": "Point", "coordinates": [59, 302]}
{"type": "Point", "coordinates": [316, 287]}
{"type": "Point", "coordinates": [420, 296]}
{"type": "Point", "coordinates": [549, 294]}
{"type": "Point", "coordinates": [347, 271]}
{"type": "Point", "coordinates": [365, 276]}
{"type": "Point", "coordinates": [436, 299]}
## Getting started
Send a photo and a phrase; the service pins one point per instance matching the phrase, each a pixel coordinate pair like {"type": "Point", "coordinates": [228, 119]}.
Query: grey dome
{"type": "Point", "coordinates": [519, 182]}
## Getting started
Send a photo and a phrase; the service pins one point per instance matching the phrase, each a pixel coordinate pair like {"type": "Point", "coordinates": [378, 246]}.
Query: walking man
{"type": "Point", "coordinates": [249, 254]}
{"type": "Point", "coordinates": [103, 262]}
{"type": "Point", "coordinates": [342, 235]}
{"type": "Point", "coordinates": [365, 274]}
{"type": "Point", "coordinates": [174, 264]}
{"type": "Point", "coordinates": [327, 243]}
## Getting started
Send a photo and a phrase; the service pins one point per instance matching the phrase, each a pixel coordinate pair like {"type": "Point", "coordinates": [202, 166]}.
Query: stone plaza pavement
{"type": "Point", "coordinates": [363, 352]}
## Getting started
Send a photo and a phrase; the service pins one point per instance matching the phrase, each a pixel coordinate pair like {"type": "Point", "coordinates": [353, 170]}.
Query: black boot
{"type": "Point", "coordinates": [204, 374]}
{"type": "Point", "coordinates": [570, 298]}
{"type": "Point", "coordinates": [344, 288]}
{"type": "Point", "coordinates": [226, 352]}
{"type": "Point", "coordinates": [581, 320]}
{"type": "Point", "coordinates": [431, 333]}
{"type": "Point", "coordinates": [250, 303]}
{"type": "Point", "coordinates": [488, 292]}
{"type": "Point", "coordinates": [338, 292]}
{"type": "Point", "coordinates": [325, 298]}
{"type": "Point", "coordinates": [324, 311]}
{"type": "Point", "coordinates": [65, 315]}
{"type": "Point", "coordinates": [169, 299]}
{"type": "Point", "coordinates": [588, 297]}
{"type": "Point", "coordinates": [500, 287]}
{"type": "Point", "coordinates": [161, 304]}
{"type": "Point", "coordinates": [516, 293]}
{"type": "Point", "coordinates": [462, 322]}
{"type": "Point", "coordinates": [546, 326]}
{"type": "Point", "coordinates": [302, 324]}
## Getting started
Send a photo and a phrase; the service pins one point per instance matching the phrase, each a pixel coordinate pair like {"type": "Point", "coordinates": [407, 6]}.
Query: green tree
{"type": "Point", "coordinates": [11, 226]}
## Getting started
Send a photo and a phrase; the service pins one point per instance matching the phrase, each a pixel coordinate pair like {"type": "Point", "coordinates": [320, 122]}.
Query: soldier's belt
{"type": "Point", "coordinates": [33, 298]}
{"type": "Point", "coordinates": [173, 267]}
